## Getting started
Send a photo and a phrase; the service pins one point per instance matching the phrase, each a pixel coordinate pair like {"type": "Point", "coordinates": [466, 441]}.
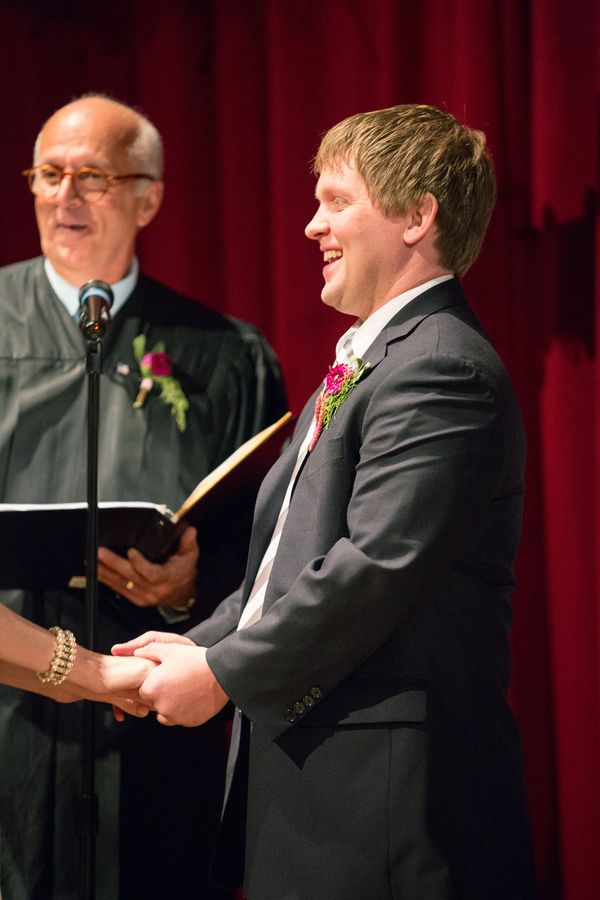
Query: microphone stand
{"type": "Point", "coordinates": [96, 299]}
{"type": "Point", "coordinates": [89, 801]}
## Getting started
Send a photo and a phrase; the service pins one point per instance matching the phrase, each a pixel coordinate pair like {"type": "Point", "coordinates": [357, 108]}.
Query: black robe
{"type": "Point", "coordinates": [159, 788]}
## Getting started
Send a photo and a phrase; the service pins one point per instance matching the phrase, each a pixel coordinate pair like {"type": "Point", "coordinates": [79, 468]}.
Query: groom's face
{"type": "Point", "coordinates": [364, 254]}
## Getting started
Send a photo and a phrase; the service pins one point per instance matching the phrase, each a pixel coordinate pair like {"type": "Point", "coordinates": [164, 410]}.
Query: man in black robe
{"type": "Point", "coordinates": [97, 181]}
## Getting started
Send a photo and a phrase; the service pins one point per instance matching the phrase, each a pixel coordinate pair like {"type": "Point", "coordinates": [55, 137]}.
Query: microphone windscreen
{"type": "Point", "coordinates": [96, 288]}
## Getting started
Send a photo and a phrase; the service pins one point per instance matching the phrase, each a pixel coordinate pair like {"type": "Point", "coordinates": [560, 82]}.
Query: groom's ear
{"type": "Point", "coordinates": [421, 220]}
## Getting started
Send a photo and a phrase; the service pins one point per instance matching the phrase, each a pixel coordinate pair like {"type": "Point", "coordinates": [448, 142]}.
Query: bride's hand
{"type": "Point", "coordinates": [122, 675]}
{"type": "Point", "coordinates": [107, 679]}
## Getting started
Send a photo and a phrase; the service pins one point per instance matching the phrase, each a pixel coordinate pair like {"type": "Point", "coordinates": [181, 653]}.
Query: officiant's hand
{"type": "Point", "coordinates": [151, 584]}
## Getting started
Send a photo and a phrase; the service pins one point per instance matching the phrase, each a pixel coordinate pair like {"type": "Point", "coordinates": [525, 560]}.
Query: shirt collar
{"type": "Point", "coordinates": [359, 337]}
{"type": "Point", "coordinates": [68, 293]}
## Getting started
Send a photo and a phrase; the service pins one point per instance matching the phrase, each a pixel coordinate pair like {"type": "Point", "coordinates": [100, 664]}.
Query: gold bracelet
{"type": "Point", "coordinates": [65, 650]}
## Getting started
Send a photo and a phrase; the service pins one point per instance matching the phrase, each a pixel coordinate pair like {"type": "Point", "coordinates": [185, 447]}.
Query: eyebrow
{"type": "Point", "coordinates": [334, 188]}
{"type": "Point", "coordinates": [81, 165]}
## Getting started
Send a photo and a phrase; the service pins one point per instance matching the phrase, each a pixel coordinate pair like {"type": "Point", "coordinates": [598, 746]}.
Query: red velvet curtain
{"type": "Point", "coordinates": [241, 90]}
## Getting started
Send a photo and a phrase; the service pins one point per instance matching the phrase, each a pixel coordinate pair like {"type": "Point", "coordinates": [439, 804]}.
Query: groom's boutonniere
{"type": "Point", "coordinates": [340, 380]}
{"type": "Point", "coordinates": [156, 368]}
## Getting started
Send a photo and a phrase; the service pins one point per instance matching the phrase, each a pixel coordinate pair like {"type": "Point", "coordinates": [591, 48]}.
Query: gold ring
{"type": "Point", "coordinates": [130, 585]}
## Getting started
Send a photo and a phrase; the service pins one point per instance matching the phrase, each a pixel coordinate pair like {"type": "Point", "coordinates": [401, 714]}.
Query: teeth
{"type": "Point", "coordinates": [330, 255]}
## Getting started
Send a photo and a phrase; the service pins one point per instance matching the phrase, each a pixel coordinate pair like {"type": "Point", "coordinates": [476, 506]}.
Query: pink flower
{"type": "Point", "coordinates": [339, 381]}
{"type": "Point", "coordinates": [159, 363]}
{"type": "Point", "coordinates": [336, 378]}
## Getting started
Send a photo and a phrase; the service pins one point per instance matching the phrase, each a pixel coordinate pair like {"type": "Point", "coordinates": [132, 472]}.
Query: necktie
{"type": "Point", "coordinates": [252, 611]}
{"type": "Point", "coordinates": [253, 608]}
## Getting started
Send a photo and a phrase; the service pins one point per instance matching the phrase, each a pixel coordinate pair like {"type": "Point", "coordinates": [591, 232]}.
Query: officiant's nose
{"type": "Point", "coordinates": [66, 193]}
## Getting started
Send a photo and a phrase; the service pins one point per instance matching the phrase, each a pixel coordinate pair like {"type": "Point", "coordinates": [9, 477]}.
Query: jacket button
{"type": "Point", "coordinates": [290, 715]}
{"type": "Point", "coordinates": [308, 702]}
{"type": "Point", "coordinates": [299, 707]}
{"type": "Point", "coordinates": [316, 693]}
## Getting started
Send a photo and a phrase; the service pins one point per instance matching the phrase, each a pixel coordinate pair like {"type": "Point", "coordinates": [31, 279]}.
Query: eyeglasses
{"type": "Point", "coordinates": [88, 182]}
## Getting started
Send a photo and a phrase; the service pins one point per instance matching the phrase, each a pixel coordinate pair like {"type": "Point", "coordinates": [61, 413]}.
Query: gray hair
{"type": "Point", "coordinates": [146, 151]}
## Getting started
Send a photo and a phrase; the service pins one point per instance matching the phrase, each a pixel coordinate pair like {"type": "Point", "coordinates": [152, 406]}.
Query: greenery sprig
{"type": "Point", "coordinates": [339, 382]}
{"type": "Point", "coordinates": [156, 368]}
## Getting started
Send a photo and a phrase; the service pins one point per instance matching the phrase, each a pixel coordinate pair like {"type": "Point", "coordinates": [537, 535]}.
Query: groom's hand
{"type": "Point", "coordinates": [182, 688]}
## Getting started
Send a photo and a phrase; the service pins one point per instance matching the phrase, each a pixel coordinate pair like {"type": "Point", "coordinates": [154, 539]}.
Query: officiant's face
{"type": "Point", "coordinates": [84, 239]}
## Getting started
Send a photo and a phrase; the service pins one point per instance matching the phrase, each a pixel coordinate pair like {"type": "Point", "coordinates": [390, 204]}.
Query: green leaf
{"type": "Point", "coordinates": [171, 391]}
{"type": "Point", "coordinates": [139, 347]}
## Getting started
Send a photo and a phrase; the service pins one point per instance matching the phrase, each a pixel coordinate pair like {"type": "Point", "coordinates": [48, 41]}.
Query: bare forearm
{"type": "Point", "coordinates": [26, 680]}
{"type": "Point", "coordinates": [24, 644]}
{"type": "Point", "coordinates": [27, 650]}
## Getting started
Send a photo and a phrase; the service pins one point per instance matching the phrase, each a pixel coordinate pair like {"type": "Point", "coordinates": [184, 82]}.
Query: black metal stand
{"type": "Point", "coordinates": [89, 801]}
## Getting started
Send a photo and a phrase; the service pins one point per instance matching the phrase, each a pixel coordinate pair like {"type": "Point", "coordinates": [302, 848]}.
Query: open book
{"type": "Point", "coordinates": [43, 545]}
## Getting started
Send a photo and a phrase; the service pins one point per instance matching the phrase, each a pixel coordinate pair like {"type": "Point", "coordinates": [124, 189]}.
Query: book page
{"type": "Point", "coordinates": [229, 464]}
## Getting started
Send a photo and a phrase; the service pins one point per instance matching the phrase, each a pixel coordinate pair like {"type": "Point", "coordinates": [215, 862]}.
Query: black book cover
{"type": "Point", "coordinates": [43, 546]}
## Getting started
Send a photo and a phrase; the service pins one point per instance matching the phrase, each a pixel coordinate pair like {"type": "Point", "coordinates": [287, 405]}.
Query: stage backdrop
{"type": "Point", "coordinates": [241, 91]}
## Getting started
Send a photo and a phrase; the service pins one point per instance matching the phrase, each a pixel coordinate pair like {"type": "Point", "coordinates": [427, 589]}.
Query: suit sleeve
{"type": "Point", "coordinates": [431, 458]}
{"type": "Point", "coordinates": [222, 622]}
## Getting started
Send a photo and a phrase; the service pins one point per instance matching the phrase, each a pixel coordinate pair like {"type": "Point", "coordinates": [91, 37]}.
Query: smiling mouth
{"type": "Point", "coordinates": [73, 227]}
{"type": "Point", "coordinates": [330, 256]}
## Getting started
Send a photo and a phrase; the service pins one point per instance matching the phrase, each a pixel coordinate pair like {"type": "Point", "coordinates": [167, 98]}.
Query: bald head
{"type": "Point", "coordinates": [134, 135]}
{"type": "Point", "coordinates": [87, 237]}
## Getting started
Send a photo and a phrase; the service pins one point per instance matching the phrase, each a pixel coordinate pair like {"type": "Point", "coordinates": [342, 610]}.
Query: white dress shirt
{"type": "Point", "coordinates": [68, 293]}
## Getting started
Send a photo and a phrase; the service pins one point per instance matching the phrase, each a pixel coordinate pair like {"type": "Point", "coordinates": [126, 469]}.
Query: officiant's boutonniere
{"type": "Point", "coordinates": [156, 368]}
{"type": "Point", "coordinates": [340, 380]}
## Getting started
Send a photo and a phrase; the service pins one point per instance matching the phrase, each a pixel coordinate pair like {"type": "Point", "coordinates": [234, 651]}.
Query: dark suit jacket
{"type": "Point", "coordinates": [384, 761]}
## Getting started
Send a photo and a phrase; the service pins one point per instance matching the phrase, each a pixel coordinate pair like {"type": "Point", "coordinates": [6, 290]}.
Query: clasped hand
{"type": "Point", "coordinates": [181, 688]}
{"type": "Point", "coordinates": [118, 684]}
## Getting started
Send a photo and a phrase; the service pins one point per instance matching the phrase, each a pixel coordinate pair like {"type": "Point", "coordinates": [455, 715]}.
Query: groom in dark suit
{"type": "Point", "coordinates": [374, 755]}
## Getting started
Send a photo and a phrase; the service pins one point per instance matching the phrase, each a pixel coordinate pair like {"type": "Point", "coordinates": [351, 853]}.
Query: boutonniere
{"type": "Point", "coordinates": [340, 380]}
{"type": "Point", "coordinates": [156, 368]}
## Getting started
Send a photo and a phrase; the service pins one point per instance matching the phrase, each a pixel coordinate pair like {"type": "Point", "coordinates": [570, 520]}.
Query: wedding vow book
{"type": "Point", "coordinates": [43, 545]}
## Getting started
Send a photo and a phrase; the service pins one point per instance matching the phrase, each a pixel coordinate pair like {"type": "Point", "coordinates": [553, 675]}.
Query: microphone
{"type": "Point", "coordinates": [95, 301]}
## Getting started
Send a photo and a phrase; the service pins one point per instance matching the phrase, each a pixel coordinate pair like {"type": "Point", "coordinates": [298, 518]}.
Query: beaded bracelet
{"type": "Point", "coordinates": [65, 650]}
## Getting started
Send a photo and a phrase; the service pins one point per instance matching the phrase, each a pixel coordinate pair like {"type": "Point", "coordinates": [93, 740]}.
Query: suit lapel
{"type": "Point", "coordinates": [441, 296]}
{"type": "Point", "coordinates": [270, 498]}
